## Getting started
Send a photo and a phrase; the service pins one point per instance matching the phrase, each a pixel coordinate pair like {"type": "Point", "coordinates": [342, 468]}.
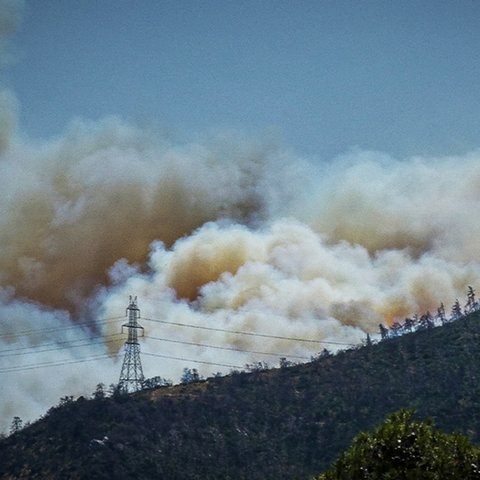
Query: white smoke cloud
{"type": "Point", "coordinates": [420, 204]}
{"type": "Point", "coordinates": [227, 234]}
{"type": "Point", "coordinates": [105, 192]}
{"type": "Point", "coordinates": [283, 280]}
{"type": "Point", "coordinates": [42, 358]}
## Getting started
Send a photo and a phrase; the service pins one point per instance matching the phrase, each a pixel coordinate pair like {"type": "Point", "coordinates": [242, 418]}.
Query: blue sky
{"type": "Point", "coordinates": [323, 76]}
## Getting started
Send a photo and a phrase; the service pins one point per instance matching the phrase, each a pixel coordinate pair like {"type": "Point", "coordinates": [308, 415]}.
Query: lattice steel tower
{"type": "Point", "coordinates": [131, 376]}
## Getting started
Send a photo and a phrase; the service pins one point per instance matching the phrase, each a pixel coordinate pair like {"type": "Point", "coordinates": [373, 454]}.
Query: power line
{"type": "Point", "coordinates": [192, 361]}
{"type": "Point", "coordinates": [218, 347]}
{"type": "Point", "coordinates": [60, 346]}
{"type": "Point", "coordinates": [252, 334]}
{"type": "Point", "coordinates": [56, 329]}
{"type": "Point", "coordinates": [67, 345]}
{"type": "Point", "coordinates": [33, 366]}
{"type": "Point", "coordinates": [232, 349]}
{"type": "Point", "coordinates": [65, 342]}
{"type": "Point", "coordinates": [108, 339]}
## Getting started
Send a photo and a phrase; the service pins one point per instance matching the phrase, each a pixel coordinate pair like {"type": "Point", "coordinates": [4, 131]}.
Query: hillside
{"type": "Point", "coordinates": [277, 424]}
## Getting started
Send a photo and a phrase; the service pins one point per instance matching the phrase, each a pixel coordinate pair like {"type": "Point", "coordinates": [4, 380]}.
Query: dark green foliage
{"type": "Point", "coordinates": [287, 423]}
{"type": "Point", "coordinates": [16, 425]}
{"type": "Point", "coordinates": [99, 392]}
{"type": "Point", "coordinates": [190, 375]}
{"type": "Point", "coordinates": [403, 448]}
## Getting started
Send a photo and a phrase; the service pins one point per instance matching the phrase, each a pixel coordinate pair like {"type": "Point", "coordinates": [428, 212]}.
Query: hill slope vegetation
{"type": "Point", "coordinates": [271, 424]}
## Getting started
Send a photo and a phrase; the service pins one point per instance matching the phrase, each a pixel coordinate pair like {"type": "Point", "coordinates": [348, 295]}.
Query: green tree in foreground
{"type": "Point", "coordinates": [406, 449]}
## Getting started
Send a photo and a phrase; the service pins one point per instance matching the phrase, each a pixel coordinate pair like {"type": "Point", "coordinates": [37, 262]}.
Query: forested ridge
{"type": "Point", "coordinates": [284, 423]}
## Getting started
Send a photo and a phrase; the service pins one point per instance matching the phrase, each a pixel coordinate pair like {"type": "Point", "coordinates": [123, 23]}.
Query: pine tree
{"type": "Point", "coordinates": [472, 304]}
{"type": "Point", "coordinates": [16, 425]}
{"type": "Point", "coordinates": [441, 314]}
{"type": "Point", "coordinates": [456, 311]}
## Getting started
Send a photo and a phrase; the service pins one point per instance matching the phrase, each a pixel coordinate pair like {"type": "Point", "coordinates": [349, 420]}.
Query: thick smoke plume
{"type": "Point", "coordinates": [217, 237]}
{"type": "Point", "coordinates": [228, 234]}
{"type": "Point", "coordinates": [105, 192]}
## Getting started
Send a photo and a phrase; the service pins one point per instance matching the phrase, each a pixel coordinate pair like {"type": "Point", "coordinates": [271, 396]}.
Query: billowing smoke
{"type": "Point", "coordinates": [235, 248]}
{"type": "Point", "coordinates": [105, 192]}
{"type": "Point", "coordinates": [42, 358]}
{"type": "Point", "coordinates": [215, 238]}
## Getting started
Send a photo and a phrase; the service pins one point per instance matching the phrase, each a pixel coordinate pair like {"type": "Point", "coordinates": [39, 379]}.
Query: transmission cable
{"type": "Point", "coordinates": [190, 360]}
{"type": "Point", "coordinates": [231, 349]}
{"type": "Point", "coordinates": [60, 346]}
{"type": "Point", "coordinates": [33, 366]}
{"type": "Point", "coordinates": [252, 334]}
{"type": "Point", "coordinates": [67, 344]}
{"type": "Point", "coordinates": [55, 329]}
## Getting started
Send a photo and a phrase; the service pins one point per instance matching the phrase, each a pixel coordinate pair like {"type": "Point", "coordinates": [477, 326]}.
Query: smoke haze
{"type": "Point", "coordinates": [228, 234]}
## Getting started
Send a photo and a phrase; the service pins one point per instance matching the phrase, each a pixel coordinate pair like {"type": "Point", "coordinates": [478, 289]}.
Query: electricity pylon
{"type": "Point", "coordinates": [131, 375]}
